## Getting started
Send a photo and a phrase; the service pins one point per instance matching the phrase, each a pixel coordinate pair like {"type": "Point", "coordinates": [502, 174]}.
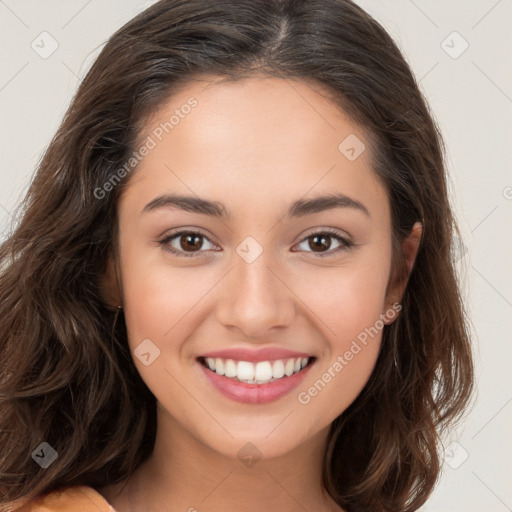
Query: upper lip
{"type": "Point", "coordinates": [254, 356]}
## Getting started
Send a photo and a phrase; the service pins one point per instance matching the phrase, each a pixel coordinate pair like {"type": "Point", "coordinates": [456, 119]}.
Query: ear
{"type": "Point", "coordinates": [109, 286]}
{"type": "Point", "coordinates": [398, 283]}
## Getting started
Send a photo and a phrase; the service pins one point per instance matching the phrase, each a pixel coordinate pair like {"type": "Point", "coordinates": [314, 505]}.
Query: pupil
{"type": "Point", "coordinates": [321, 238]}
{"type": "Point", "coordinates": [190, 239]}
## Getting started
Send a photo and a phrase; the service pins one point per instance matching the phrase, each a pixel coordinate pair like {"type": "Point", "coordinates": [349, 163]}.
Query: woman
{"type": "Point", "coordinates": [231, 285]}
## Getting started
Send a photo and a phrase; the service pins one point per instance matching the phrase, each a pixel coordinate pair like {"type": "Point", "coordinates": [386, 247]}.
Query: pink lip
{"type": "Point", "coordinates": [254, 393]}
{"type": "Point", "coordinates": [255, 356]}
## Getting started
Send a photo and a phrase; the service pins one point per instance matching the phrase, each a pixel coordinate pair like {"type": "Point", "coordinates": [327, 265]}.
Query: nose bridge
{"type": "Point", "coordinates": [254, 298]}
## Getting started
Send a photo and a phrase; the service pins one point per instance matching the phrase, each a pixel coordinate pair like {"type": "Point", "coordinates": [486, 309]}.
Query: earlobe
{"type": "Point", "coordinates": [410, 248]}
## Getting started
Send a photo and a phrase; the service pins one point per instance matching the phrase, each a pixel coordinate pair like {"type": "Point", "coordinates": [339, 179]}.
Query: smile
{"type": "Point", "coordinates": [262, 372]}
{"type": "Point", "coordinates": [255, 382]}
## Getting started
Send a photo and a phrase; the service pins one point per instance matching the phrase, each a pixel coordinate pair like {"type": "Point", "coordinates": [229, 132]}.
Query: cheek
{"type": "Point", "coordinates": [348, 298]}
{"type": "Point", "coordinates": [352, 328]}
{"type": "Point", "coordinates": [349, 303]}
{"type": "Point", "coordinates": [157, 297]}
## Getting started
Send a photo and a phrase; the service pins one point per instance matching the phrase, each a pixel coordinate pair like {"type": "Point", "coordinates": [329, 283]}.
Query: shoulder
{"type": "Point", "coordinates": [78, 498]}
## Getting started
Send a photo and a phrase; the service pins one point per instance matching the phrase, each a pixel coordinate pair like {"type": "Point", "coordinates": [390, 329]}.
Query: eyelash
{"type": "Point", "coordinates": [346, 244]}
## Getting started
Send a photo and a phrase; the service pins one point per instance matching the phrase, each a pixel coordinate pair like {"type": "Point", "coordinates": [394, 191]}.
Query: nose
{"type": "Point", "coordinates": [255, 298]}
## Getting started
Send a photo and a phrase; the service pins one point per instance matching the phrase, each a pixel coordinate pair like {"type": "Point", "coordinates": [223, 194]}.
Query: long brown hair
{"type": "Point", "coordinates": [66, 375]}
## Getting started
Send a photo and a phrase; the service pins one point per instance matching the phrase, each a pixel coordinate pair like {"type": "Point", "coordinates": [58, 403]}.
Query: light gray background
{"type": "Point", "coordinates": [471, 98]}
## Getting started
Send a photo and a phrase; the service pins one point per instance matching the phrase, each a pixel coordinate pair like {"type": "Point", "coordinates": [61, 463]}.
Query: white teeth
{"type": "Point", "coordinates": [259, 373]}
{"type": "Point", "coordinates": [230, 368]}
{"type": "Point", "coordinates": [288, 368]}
{"type": "Point", "coordinates": [278, 369]}
{"type": "Point", "coordinates": [245, 370]}
{"type": "Point", "coordinates": [263, 371]}
{"type": "Point", "coordinates": [219, 366]}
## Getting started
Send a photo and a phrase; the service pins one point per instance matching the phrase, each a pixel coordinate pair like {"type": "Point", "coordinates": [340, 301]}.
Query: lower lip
{"type": "Point", "coordinates": [254, 393]}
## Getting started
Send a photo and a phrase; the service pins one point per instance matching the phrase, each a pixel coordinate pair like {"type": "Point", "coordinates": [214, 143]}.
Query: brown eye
{"type": "Point", "coordinates": [185, 243]}
{"type": "Point", "coordinates": [190, 241]}
{"type": "Point", "coordinates": [321, 242]}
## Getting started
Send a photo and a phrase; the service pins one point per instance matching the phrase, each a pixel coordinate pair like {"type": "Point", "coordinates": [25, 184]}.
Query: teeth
{"type": "Point", "coordinates": [259, 373]}
{"type": "Point", "coordinates": [288, 367]}
{"type": "Point", "coordinates": [278, 370]}
{"type": "Point", "coordinates": [263, 371]}
{"type": "Point", "coordinates": [245, 370]}
{"type": "Point", "coordinates": [218, 366]}
{"type": "Point", "coordinates": [230, 368]}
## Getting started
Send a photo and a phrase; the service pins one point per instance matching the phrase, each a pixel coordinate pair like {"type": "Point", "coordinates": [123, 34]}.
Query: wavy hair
{"type": "Point", "coordinates": [66, 373]}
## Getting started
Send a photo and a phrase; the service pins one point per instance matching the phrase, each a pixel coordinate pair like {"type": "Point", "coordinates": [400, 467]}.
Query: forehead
{"type": "Point", "coordinates": [259, 139]}
{"type": "Point", "coordinates": [254, 110]}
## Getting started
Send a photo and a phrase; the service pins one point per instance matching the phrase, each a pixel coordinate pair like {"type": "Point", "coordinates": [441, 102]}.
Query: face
{"type": "Point", "coordinates": [263, 275]}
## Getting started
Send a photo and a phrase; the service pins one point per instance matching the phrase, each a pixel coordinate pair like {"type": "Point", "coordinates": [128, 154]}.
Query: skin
{"type": "Point", "coordinates": [255, 146]}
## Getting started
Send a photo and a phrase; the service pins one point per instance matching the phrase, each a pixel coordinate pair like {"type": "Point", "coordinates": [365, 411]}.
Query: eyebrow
{"type": "Point", "coordinates": [299, 208]}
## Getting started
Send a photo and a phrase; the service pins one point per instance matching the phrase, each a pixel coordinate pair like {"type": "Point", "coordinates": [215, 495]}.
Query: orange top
{"type": "Point", "coordinates": [77, 498]}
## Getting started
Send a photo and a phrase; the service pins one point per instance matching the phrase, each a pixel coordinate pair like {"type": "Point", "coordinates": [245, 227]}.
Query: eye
{"type": "Point", "coordinates": [184, 243]}
{"type": "Point", "coordinates": [190, 243]}
{"type": "Point", "coordinates": [323, 240]}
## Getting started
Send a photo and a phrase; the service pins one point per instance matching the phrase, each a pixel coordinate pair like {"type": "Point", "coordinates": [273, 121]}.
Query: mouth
{"type": "Point", "coordinates": [256, 373]}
